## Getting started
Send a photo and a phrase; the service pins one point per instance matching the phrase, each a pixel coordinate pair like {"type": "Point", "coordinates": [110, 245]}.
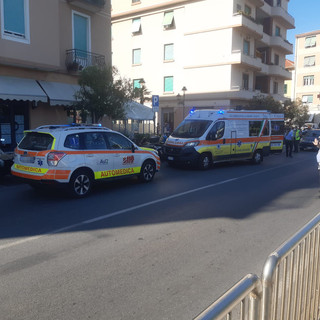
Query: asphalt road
{"type": "Point", "coordinates": [163, 250]}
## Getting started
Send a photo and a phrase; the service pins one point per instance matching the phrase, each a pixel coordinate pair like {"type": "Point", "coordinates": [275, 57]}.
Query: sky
{"type": "Point", "coordinates": [307, 18]}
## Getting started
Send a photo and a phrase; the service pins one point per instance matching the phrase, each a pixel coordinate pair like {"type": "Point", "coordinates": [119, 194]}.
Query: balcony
{"type": "Point", "coordinates": [247, 24]}
{"type": "Point", "coordinates": [77, 60]}
{"type": "Point", "coordinates": [238, 57]}
{"type": "Point", "coordinates": [90, 5]}
{"type": "Point", "coordinates": [283, 17]}
{"type": "Point", "coordinates": [278, 71]}
{"type": "Point", "coordinates": [281, 44]}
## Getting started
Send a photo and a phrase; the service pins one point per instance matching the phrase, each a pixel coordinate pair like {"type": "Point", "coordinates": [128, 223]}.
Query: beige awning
{"type": "Point", "coordinates": [12, 88]}
{"type": "Point", "coordinates": [60, 93]}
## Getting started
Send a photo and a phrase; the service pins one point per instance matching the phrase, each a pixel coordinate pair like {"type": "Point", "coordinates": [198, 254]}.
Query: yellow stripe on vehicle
{"type": "Point", "coordinates": [30, 169]}
{"type": "Point", "coordinates": [116, 172]}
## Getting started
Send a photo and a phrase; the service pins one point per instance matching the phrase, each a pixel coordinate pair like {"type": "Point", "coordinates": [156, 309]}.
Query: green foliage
{"type": "Point", "coordinates": [102, 92]}
{"type": "Point", "coordinates": [262, 102]}
{"type": "Point", "coordinates": [295, 112]}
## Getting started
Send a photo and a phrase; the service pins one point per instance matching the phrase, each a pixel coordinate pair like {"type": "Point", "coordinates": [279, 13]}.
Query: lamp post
{"type": "Point", "coordinates": [184, 89]}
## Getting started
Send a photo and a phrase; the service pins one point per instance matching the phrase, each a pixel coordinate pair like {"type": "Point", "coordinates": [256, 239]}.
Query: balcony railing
{"type": "Point", "coordinates": [77, 60]}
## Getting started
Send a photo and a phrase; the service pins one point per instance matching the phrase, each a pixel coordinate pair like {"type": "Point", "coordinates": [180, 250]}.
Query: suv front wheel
{"type": "Point", "coordinates": [80, 183]}
{"type": "Point", "coordinates": [148, 171]}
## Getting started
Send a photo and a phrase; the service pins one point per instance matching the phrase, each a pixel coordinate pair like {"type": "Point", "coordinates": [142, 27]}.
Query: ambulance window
{"type": "Point", "coordinates": [117, 141]}
{"type": "Point", "coordinates": [277, 128]}
{"type": "Point", "coordinates": [94, 141]}
{"type": "Point", "coordinates": [254, 128]}
{"type": "Point", "coordinates": [266, 130]}
{"type": "Point", "coordinates": [72, 141]}
{"type": "Point", "coordinates": [217, 131]}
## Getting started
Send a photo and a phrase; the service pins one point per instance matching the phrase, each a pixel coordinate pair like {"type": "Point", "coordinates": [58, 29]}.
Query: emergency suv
{"type": "Point", "coordinates": [77, 156]}
{"type": "Point", "coordinates": [206, 137]}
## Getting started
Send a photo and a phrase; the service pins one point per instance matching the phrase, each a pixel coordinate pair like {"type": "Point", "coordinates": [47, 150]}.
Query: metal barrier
{"type": "Point", "coordinates": [289, 288]}
{"type": "Point", "coordinates": [239, 302]}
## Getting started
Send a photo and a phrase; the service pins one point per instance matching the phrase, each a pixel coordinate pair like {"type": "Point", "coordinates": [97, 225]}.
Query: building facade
{"type": "Point", "coordinates": [289, 88]}
{"type": "Point", "coordinates": [202, 53]}
{"type": "Point", "coordinates": [43, 46]}
{"type": "Point", "coordinates": [307, 72]}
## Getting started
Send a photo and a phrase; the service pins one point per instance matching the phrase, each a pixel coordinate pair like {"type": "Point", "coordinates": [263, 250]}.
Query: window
{"type": "Point", "coordinates": [238, 7]}
{"type": "Point", "coordinates": [15, 20]}
{"type": "Point", "coordinates": [275, 87]}
{"type": "Point", "coordinates": [136, 56]}
{"type": "Point", "coordinates": [278, 32]}
{"type": "Point", "coordinates": [217, 131]}
{"type": "Point", "coordinates": [135, 1]}
{"type": "Point", "coordinates": [168, 52]}
{"type": "Point", "coordinates": [285, 88]}
{"type": "Point", "coordinates": [310, 42]}
{"type": "Point", "coordinates": [168, 20]}
{"type": "Point", "coordinates": [309, 61]}
{"type": "Point", "coordinates": [117, 141]}
{"type": "Point", "coordinates": [137, 83]}
{"type": "Point", "coordinates": [94, 141]}
{"type": "Point", "coordinates": [168, 84]}
{"type": "Point", "coordinates": [36, 141]}
{"type": "Point", "coordinates": [136, 26]}
{"type": "Point", "coordinates": [255, 128]}
{"type": "Point", "coordinates": [247, 10]}
{"type": "Point", "coordinates": [246, 47]}
{"type": "Point", "coordinates": [277, 128]}
{"type": "Point", "coordinates": [245, 81]}
{"type": "Point", "coordinates": [308, 80]}
{"type": "Point", "coordinates": [81, 35]}
{"type": "Point", "coordinates": [278, 3]}
{"type": "Point", "coordinates": [191, 128]}
{"type": "Point", "coordinates": [72, 141]}
{"type": "Point", "coordinates": [276, 59]}
{"type": "Point", "coordinates": [307, 99]}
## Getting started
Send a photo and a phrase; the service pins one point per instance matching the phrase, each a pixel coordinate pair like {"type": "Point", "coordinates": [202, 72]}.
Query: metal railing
{"type": "Point", "coordinates": [76, 59]}
{"type": "Point", "coordinates": [239, 302]}
{"type": "Point", "coordinates": [289, 288]}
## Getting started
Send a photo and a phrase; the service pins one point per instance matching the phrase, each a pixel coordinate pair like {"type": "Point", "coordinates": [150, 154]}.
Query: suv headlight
{"type": "Point", "coordinates": [192, 144]}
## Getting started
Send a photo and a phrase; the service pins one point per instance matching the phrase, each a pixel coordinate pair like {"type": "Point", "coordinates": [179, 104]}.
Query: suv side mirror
{"type": "Point", "coordinates": [133, 148]}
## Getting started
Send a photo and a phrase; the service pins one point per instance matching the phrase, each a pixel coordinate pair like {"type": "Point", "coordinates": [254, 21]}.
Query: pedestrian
{"type": "Point", "coordinates": [316, 142]}
{"type": "Point", "coordinates": [288, 139]}
{"type": "Point", "coordinates": [297, 137]}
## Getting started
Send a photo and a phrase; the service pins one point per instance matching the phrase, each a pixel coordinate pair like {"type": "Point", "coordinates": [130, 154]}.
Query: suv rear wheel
{"type": "Point", "coordinates": [80, 183]}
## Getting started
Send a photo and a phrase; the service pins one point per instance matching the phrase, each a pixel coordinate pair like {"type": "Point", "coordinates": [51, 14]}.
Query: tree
{"type": "Point", "coordinates": [102, 92]}
{"type": "Point", "coordinates": [295, 112]}
{"type": "Point", "coordinates": [141, 93]}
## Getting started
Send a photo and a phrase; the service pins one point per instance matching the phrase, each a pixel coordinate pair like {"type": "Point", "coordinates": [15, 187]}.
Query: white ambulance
{"type": "Point", "coordinates": [206, 137]}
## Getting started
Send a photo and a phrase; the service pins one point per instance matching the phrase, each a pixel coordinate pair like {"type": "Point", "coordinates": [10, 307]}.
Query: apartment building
{"type": "Point", "coordinates": [307, 72]}
{"type": "Point", "coordinates": [202, 53]}
{"type": "Point", "coordinates": [289, 88]}
{"type": "Point", "coordinates": [43, 46]}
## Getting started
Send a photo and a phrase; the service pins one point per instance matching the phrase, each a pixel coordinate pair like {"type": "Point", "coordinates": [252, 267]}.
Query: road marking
{"type": "Point", "coordinates": [119, 212]}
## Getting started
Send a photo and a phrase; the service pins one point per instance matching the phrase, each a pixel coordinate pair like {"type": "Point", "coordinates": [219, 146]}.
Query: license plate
{"type": "Point", "coordinates": [26, 159]}
{"type": "Point", "coordinates": [170, 158]}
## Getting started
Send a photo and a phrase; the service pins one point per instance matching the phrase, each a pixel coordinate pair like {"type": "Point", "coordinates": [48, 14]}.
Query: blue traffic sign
{"type": "Point", "coordinates": [155, 101]}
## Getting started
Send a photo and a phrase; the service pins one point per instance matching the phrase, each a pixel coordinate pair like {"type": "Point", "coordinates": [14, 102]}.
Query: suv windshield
{"type": "Point", "coordinates": [191, 128]}
{"type": "Point", "coordinates": [36, 141]}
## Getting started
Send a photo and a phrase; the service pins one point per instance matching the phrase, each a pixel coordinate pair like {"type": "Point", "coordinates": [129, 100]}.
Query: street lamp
{"type": "Point", "coordinates": [184, 89]}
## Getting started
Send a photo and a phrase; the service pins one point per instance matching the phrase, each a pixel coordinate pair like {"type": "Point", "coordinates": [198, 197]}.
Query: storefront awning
{"type": "Point", "coordinates": [21, 89]}
{"type": "Point", "coordinates": [137, 111]}
{"type": "Point", "coordinates": [60, 93]}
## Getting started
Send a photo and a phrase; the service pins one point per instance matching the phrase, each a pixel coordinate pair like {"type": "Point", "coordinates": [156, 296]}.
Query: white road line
{"type": "Point", "coordinates": [119, 212]}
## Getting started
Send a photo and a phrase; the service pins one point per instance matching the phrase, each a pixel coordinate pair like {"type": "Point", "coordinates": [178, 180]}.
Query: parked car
{"type": "Point", "coordinates": [77, 156]}
{"type": "Point", "coordinates": [306, 142]}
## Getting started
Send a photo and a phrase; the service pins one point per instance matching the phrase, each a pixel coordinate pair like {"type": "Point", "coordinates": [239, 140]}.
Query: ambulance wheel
{"type": "Point", "coordinates": [148, 171]}
{"type": "Point", "coordinates": [80, 183]}
{"type": "Point", "coordinates": [205, 161]}
{"type": "Point", "coordinates": [257, 157]}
